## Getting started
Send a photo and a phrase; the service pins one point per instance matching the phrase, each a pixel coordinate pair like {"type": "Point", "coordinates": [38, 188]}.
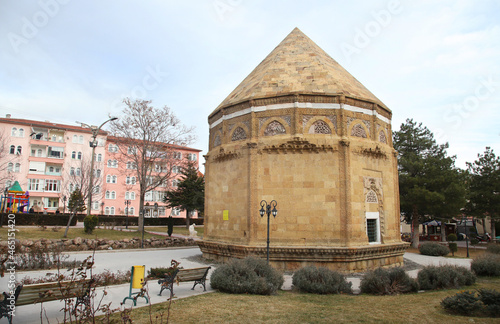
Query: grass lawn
{"type": "Point", "coordinates": [34, 233]}
{"type": "Point", "coordinates": [182, 230]}
{"type": "Point", "coordinates": [461, 253]}
{"type": "Point", "coordinates": [293, 307]}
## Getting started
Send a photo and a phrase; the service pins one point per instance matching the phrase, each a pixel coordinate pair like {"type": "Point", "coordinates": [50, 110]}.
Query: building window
{"type": "Point", "coordinates": [21, 132]}
{"type": "Point", "coordinates": [131, 165]}
{"type": "Point", "coordinates": [79, 156]}
{"type": "Point", "coordinates": [112, 210]}
{"type": "Point", "coordinates": [95, 205]}
{"type": "Point", "coordinates": [106, 210]}
{"type": "Point", "coordinates": [99, 157]}
{"type": "Point", "coordinates": [52, 185]}
{"type": "Point", "coordinates": [10, 167]}
{"type": "Point", "coordinates": [19, 150]}
{"type": "Point", "coordinates": [373, 227]}
{"type": "Point", "coordinates": [97, 189]}
{"type": "Point", "coordinates": [39, 152]}
{"type": "Point", "coordinates": [112, 163]}
{"type": "Point", "coordinates": [14, 131]}
{"type": "Point", "coordinates": [78, 172]}
{"type": "Point", "coordinates": [17, 167]}
{"type": "Point", "coordinates": [72, 172]}
{"type": "Point", "coordinates": [131, 211]}
{"type": "Point", "coordinates": [175, 183]}
{"type": "Point", "coordinates": [112, 148]}
{"type": "Point", "coordinates": [108, 194]}
{"type": "Point", "coordinates": [175, 211]}
{"type": "Point", "coordinates": [177, 155]}
{"type": "Point", "coordinates": [80, 139]}
{"type": "Point", "coordinates": [73, 155]}
{"type": "Point", "coordinates": [75, 139]}
{"type": "Point", "coordinates": [98, 173]}
{"type": "Point", "coordinates": [12, 149]}
{"type": "Point", "coordinates": [192, 157]}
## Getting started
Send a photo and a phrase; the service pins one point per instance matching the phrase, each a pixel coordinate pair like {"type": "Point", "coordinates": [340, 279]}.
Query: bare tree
{"type": "Point", "coordinates": [5, 159]}
{"type": "Point", "coordinates": [149, 139]}
{"type": "Point", "coordinates": [78, 177]}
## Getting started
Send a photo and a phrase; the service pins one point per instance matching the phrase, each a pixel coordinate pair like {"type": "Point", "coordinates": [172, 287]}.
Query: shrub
{"type": "Point", "coordinates": [433, 249]}
{"type": "Point", "coordinates": [486, 301]}
{"type": "Point", "coordinates": [388, 282]}
{"type": "Point", "coordinates": [491, 301]}
{"type": "Point", "coordinates": [320, 281]}
{"type": "Point", "coordinates": [158, 272]}
{"type": "Point", "coordinates": [464, 303]}
{"type": "Point", "coordinates": [486, 265]}
{"type": "Point", "coordinates": [250, 275]}
{"type": "Point", "coordinates": [442, 277]}
{"type": "Point", "coordinates": [89, 223]}
{"type": "Point", "coordinates": [493, 248]}
{"type": "Point", "coordinates": [452, 237]}
{"type": "Point", "coordinates": [453, 247]}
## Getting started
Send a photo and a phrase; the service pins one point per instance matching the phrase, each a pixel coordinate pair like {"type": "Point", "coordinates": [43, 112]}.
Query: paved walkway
{"type": "Point", "coordinates": [188, 257]}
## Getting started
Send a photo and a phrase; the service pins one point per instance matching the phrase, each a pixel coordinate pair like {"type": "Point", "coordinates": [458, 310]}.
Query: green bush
{"type": "Point", "coordinates": [485, 302]}
{"type": "Point", "coordinates": [493, 248]}
{"type": "Point", "coordinates": [487, 265]}
{"type": "Point", "coordinates": [433, 249]}
{"type": "Point", "coordinates": [452, 237]}
{"type": "Point", "coordinates": [250, 275]}
{"type": "Point", "coordinates": [453, 247]}
{"type": "Point", "coordinates": [388, 282]}
{"type": "Point", "coordinates": [443, 277]}
{"type": "Point", "coordinates": [320, 281]}
{"type": "Point", "coordinates": [89, 223]}
{"type": "Point", "coordinates": [464, 303]}
{"type": "Point", "coordinates": [491, 301]}
{"type": "Point", "coordinates": [159, 272]}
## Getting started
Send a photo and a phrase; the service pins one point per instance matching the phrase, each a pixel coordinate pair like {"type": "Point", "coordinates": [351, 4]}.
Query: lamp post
{"type": "Point", "coordinates": [127, 203]}
{"type": "Point", "coordinates": [268, 211]}
{"type": "Point", "coordinates": [95, 130]}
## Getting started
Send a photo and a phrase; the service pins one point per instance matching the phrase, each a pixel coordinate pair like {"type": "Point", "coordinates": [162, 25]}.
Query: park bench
{"type": "Point", "coordinates": [198, 275]}
{"type": "Point", "coordinates": [43, 292]}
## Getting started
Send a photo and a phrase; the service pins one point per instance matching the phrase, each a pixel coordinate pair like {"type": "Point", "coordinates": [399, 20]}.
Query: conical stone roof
{"type": "Point", "coordinates": [298, 66]}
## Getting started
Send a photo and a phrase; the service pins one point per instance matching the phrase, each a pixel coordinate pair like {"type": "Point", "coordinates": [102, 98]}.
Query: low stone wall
{"type": "Point", "coordinates": [83, 244]}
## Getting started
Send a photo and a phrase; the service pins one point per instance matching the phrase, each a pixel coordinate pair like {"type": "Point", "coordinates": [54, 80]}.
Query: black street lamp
{"type": "Point", "coordinates": [127, 203]}
{"type": "Point", "coordinates": [95, 131]}
{"type": "Point", "coordinates": [268, 211]}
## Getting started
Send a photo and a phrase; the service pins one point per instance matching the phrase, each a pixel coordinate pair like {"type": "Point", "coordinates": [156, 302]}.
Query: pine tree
{"type": "Point", "coordinates": [76, 204]}
{"type": "Point", "coordinates": [190, 192]}
{"type": "Point", "coordinates": [430, 185]}
{"type": "Point", "coordinates": [483, 196]}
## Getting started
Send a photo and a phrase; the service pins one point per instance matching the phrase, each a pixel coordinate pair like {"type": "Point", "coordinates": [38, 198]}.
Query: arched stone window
{"type": "Point", "coordinates": [358, 131]}
{"type": "Point", "coordinates": [239, 134]}
{"type": "Point", "coordinates": [217, 141]}
{"type": "Point", "coordinates": [382, 138]}
{"type": "Point", "coordinates": [371, 197]}
{"type": "Point", "coordinates": [320, 127]}
{"type": "Point", "coordinates": [274, 128]}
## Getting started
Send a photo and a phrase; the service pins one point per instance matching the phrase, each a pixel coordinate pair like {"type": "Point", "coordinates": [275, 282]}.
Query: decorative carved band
{"type": "Point", "coordinates": [298, 145]}
{"type": "Point", "coordinates": [373, 152]}
{"type": "Point", "coordinates": [297, 254]}
{"type": "Point", "coordinates": [225, 156]}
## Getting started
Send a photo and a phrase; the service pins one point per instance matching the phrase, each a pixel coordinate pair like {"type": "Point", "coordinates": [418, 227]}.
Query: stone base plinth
{"type": "Point", "coordinates": [343, 259]}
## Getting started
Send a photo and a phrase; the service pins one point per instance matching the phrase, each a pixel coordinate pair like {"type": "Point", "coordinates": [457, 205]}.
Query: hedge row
{"type": "Point", "coordinates": [62, 220]}
{"type": "Point", "coordinates": [37, 219]}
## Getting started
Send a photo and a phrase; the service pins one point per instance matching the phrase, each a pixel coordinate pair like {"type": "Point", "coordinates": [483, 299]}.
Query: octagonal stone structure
{"type": "Point", "coordinates": [302, 131]}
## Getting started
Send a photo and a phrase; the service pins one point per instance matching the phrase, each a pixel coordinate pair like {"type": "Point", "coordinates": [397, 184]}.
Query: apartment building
{"type": "Point", "coordinates": [49, 160]}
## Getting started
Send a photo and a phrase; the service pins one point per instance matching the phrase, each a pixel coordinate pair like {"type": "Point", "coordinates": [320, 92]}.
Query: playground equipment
{"type": "Point", "coordinates": [15, 200]}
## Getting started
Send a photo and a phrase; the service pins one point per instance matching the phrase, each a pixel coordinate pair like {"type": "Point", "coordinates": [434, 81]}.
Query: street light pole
{"type": "Point", "coordinates": [127, 203]}
{"type": "Point", "coordinates": [95, 131]}
{"type": "Point", "coordinates": [268, 211]}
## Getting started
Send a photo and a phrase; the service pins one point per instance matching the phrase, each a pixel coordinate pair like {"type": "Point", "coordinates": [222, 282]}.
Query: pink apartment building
{"type": "Point", "coordinates": [46, 158]}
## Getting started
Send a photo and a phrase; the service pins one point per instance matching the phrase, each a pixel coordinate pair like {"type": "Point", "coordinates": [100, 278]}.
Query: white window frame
{"type": "Point", "coordinates": [376, 216]}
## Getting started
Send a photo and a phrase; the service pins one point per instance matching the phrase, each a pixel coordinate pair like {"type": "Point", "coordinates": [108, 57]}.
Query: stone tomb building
{"type": "Point", "coordinates": [302, 131]}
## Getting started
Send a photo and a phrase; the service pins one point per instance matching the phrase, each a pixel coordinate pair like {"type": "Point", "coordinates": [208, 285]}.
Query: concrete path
{"type": "Point", "coordinates": [188, 257]}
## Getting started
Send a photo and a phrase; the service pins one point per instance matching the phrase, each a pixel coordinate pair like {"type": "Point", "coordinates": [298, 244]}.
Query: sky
{"type": "Point", "coordinates": [437, 62]}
